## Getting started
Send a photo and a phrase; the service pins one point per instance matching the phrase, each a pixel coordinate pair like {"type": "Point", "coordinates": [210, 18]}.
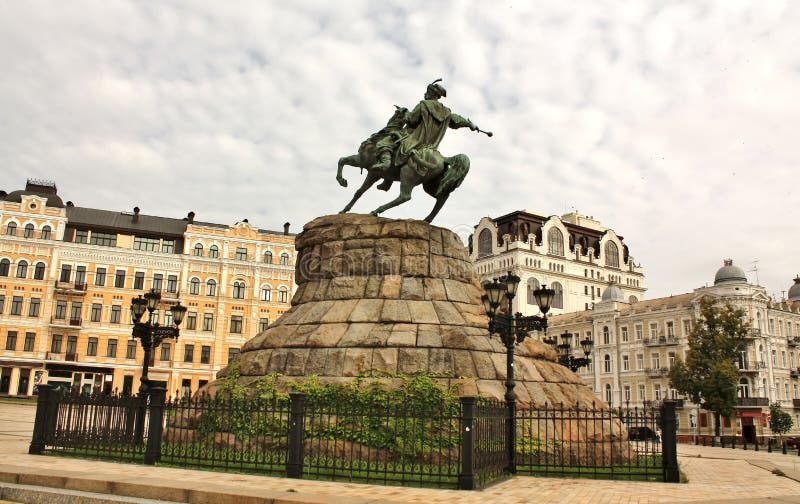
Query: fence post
{"type": "Point", "coordinates": [155, 428]}
{"type": "Point", "coordinates": [466, 480]}
{"type": "Point", "coordinates": [294, 466]}
{"type": "Point", "coordinates": [41, 421]}
{"type": "Point", "coordinates": [669, 444]}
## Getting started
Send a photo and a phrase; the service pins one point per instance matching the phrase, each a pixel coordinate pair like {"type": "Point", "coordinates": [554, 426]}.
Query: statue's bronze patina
{"type": "Point", "coordinates": [405, 150]}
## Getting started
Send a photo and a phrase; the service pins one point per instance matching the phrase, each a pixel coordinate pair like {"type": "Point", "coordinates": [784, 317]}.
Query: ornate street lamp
{"type": "Point", "coordinates": [564, 351]}
{"type": "Point", "coordinates": [513, 329]}
{"type": "Point", "coordinates": [151, 333]}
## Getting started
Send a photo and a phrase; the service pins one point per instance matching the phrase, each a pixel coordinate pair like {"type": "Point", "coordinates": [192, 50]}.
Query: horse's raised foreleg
{"type": "Point", "coordinates": [406, 186]}
{"type": "Point", "coordinates": [371, 179]}
{"type": "Point", "coordinates": [345, 161]}
{"type": "Point", "coordinates": [438, 206]}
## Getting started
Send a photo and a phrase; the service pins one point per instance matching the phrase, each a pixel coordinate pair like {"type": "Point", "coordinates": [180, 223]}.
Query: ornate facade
{"type": "Point", "coordinates": [68, 274]}
{"type": "Point", "coordinates": [637, 344]}
{"type": "Point", "coordinates": [573, 254]}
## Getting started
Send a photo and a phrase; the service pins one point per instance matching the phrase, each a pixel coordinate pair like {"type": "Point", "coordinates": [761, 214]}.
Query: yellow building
{"type": "Point", "coordinates": [68, 274]}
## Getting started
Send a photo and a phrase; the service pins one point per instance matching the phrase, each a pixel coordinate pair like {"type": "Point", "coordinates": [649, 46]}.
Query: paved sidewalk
{"type": "Point", "coordinates": [715, 475]}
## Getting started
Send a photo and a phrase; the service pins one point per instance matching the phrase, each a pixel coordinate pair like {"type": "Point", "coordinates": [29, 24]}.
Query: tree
{"type": "Point", "coordinates": [710, 377]}
{"type": "Point", "coordinates": [780, 422]}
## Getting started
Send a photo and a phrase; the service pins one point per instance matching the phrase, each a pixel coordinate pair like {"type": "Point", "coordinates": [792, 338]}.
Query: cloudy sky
{"type": "Point", "coordinates": [675, 123]}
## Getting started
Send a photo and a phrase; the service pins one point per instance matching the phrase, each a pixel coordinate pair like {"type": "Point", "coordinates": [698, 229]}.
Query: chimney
{"type": "Point", "coordinates": [286, 228]}
{"type": "Point", "coordinates": [190, 217]}
{"type": "Point", "coordinates": [136, 214]}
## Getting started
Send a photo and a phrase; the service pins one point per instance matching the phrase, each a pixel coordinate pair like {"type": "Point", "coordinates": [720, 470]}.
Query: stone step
{"type": "Point", "coordinates": [30, 494]}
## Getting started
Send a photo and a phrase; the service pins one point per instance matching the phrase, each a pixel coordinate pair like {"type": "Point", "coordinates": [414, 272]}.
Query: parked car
{"type": "Point", "coordinates": [642, 434]}
{"type": "Point", "coordinates": [793, 442]}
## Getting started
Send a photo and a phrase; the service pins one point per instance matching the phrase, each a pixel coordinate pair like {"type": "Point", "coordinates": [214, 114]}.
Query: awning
{"type": "Point", "coordinates": [750, 414]}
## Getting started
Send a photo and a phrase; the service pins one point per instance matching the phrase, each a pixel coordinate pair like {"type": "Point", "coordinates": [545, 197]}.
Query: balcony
{"type": "Point", "coordinates": [796, 403]}
{"type": "Point", "coordinates": [753, 401]}
{"type": "Point", "coordinates": [754, 333]}
{"type": "Point", "coordinates": [661, 341]}
{"type": "Point", "coordinates": [54, 356]}
{"type": "Point", "coordinates": [793, 342]}
{"type": "Point", "coordinates": [752, 367]}
{"type": "Point", "coordinates": [70, 288]}
{"type": "Point", "coordinates": [794, 373]}
{"type": "Point", "coordinates": [71, 357]}
{"type": "Point", "coordinates": [657, 371]}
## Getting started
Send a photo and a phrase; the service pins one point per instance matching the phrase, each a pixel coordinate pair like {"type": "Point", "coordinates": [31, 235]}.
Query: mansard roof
{"type": "Point", "coordinates": [132, 223]}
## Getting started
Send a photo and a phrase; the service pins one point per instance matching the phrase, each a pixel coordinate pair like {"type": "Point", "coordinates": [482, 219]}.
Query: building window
{"type": "Point", "coordinates": [30, 342]}
{"type": "Point", "coordinates": [211, 287]}
{"type": "Point", "coordinates": [485, 243]}
{"type": "Point", "coordinates": [670, 329]}
{"type": "Point", "coordinates": [188, 353]}
{"type": "Point", "coordinates": [22, 269]}
{"type": "Point", "coordinates": [34, 306]}
{"type": "Point", "coordinates": [558, 298]}
{"type": "Point", "coordinates": [626, 363]}
{"type": "Point", "coordinates": [111, 348]}
{"type": "Point", "coordinates": [638, 330]}
{"type": "Point", "coordinates": [96, 312]}
{"type": "Point", "coordinates": [213, 251]}
{"type": "Point", "coordinates": [609, 394]}
{"type": "Point", "coordinates": [241, 254]}
{"type": "Point", "coordinates": [657, 392]}
{"type": "Point", "coordinates": [100, 277]}
{"type": "Point", "coordinates": [606, 336]}
{"type": "Point", "coordinates": [16, 305]}
{"type": "Point", "coordinates": [172, 284]}
{"type": "Point", "coordinates": [166, 350]}
{"type": "Point", "coordinates": [191, 321]}
{"type": "Point", "coordinates": [268, 257]}
{"type": "Point", "coordinates": [238, 290]}
{"type": "Point", "coordinates": [80, 275]}
{"type": "Point", "coordinates": [116, 314]}
{"type": "Point", "coordinates": [232, 353]}
{"type": "Point", "coordinates": [138, 280]}
{"type": "Point", "coordinates": [75, 312]}
{"type": "Point", "coordinates": [198, 249]}
{"type": "Point", "coordinates": [2, 302]}
{"type": "Point", "coordinates": [612, 255]}
{"type": "Point", "coordinates": [639, 362]}
{"type": "Point", "coordinates": [266, 294]}
{"type": "Point", "coordinates": [146, 244]}
{"type": "Point", "coordinates": [208, 321]}
{"type": "Point", "coordinates": [284, 259]}
{"type": "Point", "coordinates": [655, 360]}
{"type": "Point", "coordinates": [11, 229]}
{"type": "Point", "coordinates": [607, 363]}
{"type": "Point", "coordinates": [91, 347]}
{"type": "Point", "coordinates": [194, 286]}
{"type": "Point", "coordinates": [119, 279]}
{"type": "Point", "coordinates": [81, 236]}
{"type": "Point", "coordinates": [205, 354]}
{"type": "Point", "coordinates": [283, 295]}
{"type": "Point", "coordinates": [11, 340]}
{"type": "Point", "coordinates": [55, 344]}
{"type": "Point", "coordinates": [104, 239]}
{"type": "Point", "coordinates": [5, 265]}
{"type": "Point", "coordinates": [158, 281]}
{"type": "Point", "coordinates": [236, 324]}
{"type": "Point", "coordinates": [671, 359]}
{"type": "Point", "coordinates": [61, 309]}
{"type": "Point", "coordinates": [533, 284]}
{"type": "Point", "coordinates": [774, 353]}
{"type": "Point", "coordinates": [38, 271]}
{"type": "Point", "coordinates": [28, 231]}
{"type": "Point", "coordinates": [130, 351]}
{"type": "Point", "coordinates": [72, 344]}
{"type": "Point", "coordinates": [555, 242]}
{"type": "Point", "coordinates": [624, 334]}
{"type": "Point", "coordinates": [263, 323]}
{"type": "Point", "coordinates": [168, 246]}
{"type": "Point", "coordinates": [46, 233]}
{"type": "Point", "coordinates": [627, 392]}
{"type": "Point", "coordinates": [642, 392]}
{"type": "Point", "coordinates": [168, 318]}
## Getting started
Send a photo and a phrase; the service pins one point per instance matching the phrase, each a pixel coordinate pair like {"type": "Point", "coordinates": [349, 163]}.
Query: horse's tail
{"type": "Point", "coordinates": [458, 167]}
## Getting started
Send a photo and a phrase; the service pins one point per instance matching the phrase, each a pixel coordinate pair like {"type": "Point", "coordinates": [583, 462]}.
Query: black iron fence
{"type": "Point", "coordinates": [454, 444]}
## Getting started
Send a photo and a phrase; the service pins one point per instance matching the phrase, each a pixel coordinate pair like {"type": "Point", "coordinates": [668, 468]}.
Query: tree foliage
{"type": "Point", "coordinates": [709, 376]}
{"type": "Point", "coordinates": [780, 422]}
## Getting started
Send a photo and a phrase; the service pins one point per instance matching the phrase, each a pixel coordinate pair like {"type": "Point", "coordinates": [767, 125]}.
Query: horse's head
{"type": "Point", "coordinates": [399, 117]}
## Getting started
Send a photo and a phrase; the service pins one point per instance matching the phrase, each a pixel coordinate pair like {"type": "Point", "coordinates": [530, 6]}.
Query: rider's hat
{"type": "Point", "coordinates": [436, 89]}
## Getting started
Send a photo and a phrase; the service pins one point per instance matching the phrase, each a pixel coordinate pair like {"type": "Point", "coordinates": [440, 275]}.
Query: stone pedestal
{"type": "Point", "coordinates": [380, 296]}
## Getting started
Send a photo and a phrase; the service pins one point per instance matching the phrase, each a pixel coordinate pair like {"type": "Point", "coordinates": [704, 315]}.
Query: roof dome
{"type": "Point", "coordinates": [729, 274]}
{"type": "Point", "coordinates": [794, 290]}
{"type": "Point", "coordinates": [614, 293]}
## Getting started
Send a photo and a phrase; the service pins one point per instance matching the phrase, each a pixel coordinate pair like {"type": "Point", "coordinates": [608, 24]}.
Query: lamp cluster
{"type": "Point", "coordinates": [564, 350]}
{"type": "Point", "coordinates": [151, 333]}
{"type": "Point", "coordinates": [513, 328]}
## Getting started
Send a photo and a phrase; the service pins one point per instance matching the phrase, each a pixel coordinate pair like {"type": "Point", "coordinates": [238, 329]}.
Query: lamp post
{"type": "Point", "coordinates": [151, 333]}
{"type": "Point", "coordinates": [513, 329]}
{"type": "Point", "coordinates": [564, 350]}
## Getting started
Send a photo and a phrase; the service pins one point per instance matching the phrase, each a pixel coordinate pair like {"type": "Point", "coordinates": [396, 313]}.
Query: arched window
{"type": "Point", "coordinates": [558, 298]}
{"type": "Point", "coordinates": [211, 287]}
{"type": "Point", "coordinates": [555, 242]}
{"type": "Point", "coordinates": [198, 249]}
{"type": "Point", "coordinates": [633, 299]}
{"type": "Point", "coordinates": [485, 243]}
{"type": "Point", "coordinates": [284, 259]}
{"type": "Point", "coordinates": [194, 286]}
{"type": "Point", "coordinates": [606, 336]}
{"type": "Point", "coordinates": [28, 231]}
{"type": "Point", "coordinates": [11, 229]}
{"type": "Point", "coordinates": [609, 394]}
{"type": "Point", "coordinates": [46, 233]}
{"type": "Point", "coordinates": [612, 255]}
{"type": "Point", "coordinates": [238, 290]}
{"type": "Point", "coordinates": [607, 363]}
{"type": "Point", "coordinates": [22, 269]}
{"type": "Point", "coordinates": [268, 257]}
{"type": "Point", "coordinates": [213, 251]}
{"type": "Point", "coordinates": [38, 271]}
{"type": "Point", "coordinates": [5, 264]}
{"type": "Point", "coordinates": [266, 293]}
{"type": "Point", "coordinates": [533, 284]}
{"type": "Point", "coordinates": [283, 295]}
